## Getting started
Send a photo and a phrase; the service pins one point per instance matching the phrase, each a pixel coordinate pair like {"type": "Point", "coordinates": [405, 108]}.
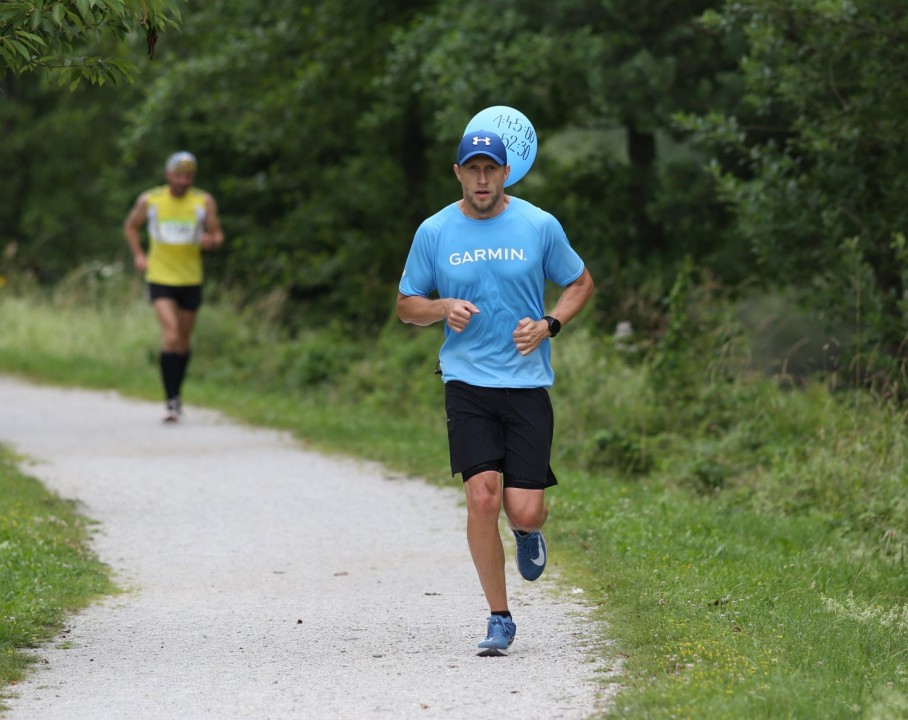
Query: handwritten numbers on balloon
{"type": "Point", "coordinates": [516, 147]}
{"type": "Point", "coordinates": [517, 134]}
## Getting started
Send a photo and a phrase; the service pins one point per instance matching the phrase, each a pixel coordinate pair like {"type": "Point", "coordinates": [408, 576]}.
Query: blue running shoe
{"type": "Point", "coordinates": [531, 554]}
{"type": "Point", "coordinates": [500, 635]}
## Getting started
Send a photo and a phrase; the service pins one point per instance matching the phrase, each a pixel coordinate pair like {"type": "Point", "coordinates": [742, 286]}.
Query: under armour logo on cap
{"type": "Point", "coordinates": [482, 142]}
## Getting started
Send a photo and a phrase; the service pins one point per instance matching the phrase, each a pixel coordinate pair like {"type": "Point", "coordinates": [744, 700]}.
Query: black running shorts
{"type": "Point", "coordinates": [188, 297]}
{"type": "Point", "coordinates": [509, 430]}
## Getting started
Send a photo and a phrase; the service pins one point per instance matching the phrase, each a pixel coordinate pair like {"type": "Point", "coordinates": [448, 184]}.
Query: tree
{"type": "Point", "coordinates": [276, 102]}
{"type": "Point", "coordinates": [326, 131]}
{"type": "Point", "coordinates": [813, 162]}
{"type": "Point", "coordinates": [47, 35]}
{"type": "Point", "coordinates": [601, 80]}
{"type": "Point", "coordinates": [56, 210]}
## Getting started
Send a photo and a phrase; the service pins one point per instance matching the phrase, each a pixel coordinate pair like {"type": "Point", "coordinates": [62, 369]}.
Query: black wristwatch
{"type": "Point", "coordinates": [554, 325]}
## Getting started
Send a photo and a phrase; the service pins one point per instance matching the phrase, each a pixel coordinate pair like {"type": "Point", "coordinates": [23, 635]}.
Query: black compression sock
{"type": "Point", "coordinates": [502, 613]}
{"type": "Point", "coordinates": [170, 373]}
{"type": "Point", "coordinates": [183, 364]}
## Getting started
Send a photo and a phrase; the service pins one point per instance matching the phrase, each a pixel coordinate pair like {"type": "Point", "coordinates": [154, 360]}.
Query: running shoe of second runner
{"type": "Point", "coordinates": [499, 635]}
{"type": "Point", "coordinates": [531, 553]}
{"type": "Point", "coordinates": [174, 410]}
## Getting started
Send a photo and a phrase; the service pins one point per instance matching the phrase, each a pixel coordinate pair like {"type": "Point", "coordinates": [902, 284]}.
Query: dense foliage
{"type": "Point", "coordinates": [763, 141]}
{"type": "Point", "coordinates": [49, 34]}
{"type": "Point", "coordinates": [812, 161]}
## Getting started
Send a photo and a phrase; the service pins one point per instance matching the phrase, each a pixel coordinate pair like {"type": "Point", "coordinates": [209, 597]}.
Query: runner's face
{"type": "Point", "coordinates": [483, 181]}
{"type": "Point", "coordinates": [180, 182]}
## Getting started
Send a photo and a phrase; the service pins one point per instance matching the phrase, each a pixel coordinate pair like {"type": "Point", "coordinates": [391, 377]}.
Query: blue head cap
{"type": "Point", "coordinates": [482, 142]}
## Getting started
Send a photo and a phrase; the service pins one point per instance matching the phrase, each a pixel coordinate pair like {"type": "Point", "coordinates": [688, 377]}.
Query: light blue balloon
{"type": "Point", "coordinates": [517, 133]}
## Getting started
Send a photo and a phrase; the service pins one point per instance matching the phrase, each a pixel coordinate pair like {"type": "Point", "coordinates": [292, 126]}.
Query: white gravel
{"type": "Point", "coordinates": [264, 580]}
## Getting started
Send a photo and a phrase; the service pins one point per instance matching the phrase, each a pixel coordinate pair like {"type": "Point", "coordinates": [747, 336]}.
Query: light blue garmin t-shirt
{"type": "Point", "coordinates": [501, 266]}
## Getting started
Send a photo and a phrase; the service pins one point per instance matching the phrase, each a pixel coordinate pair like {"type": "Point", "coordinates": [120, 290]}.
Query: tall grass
{"type": "Point", "coordinates": [745, 541]}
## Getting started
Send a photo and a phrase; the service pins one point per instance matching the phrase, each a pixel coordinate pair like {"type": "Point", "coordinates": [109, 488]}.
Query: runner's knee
{"type": "Point", "coordinates": [526, 510]}
{"type": "Point", "coordinates": [484, 495]}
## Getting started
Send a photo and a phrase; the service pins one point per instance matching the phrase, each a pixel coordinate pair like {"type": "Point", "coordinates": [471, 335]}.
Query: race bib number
{"type": "Point", "coordinates": [177, 232]}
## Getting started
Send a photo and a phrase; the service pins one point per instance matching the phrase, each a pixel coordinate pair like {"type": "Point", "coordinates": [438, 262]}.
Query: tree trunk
{"type": "Point", "coordinates": [641, 151]}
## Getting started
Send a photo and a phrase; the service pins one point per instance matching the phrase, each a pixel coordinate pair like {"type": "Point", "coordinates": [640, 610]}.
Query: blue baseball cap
{"type": "Point", "coordinates": [482, 142]}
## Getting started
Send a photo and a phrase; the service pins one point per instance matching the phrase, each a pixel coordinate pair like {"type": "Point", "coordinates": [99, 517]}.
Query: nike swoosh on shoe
{"type": "Point", "coordinates": [539, 560]}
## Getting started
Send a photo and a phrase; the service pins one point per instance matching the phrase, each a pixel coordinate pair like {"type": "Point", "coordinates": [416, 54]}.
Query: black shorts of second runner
{"type": "Point", "coordinates": [188, 297]}
{"type": "Point", "coordinates": [509, 430]}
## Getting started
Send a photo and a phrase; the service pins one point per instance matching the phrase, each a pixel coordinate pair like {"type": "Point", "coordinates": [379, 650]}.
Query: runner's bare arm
{"type": "Point", "coordinates": [419, 310]}
{"type": "Point", "coordinates": [213, 237]}
{"type": "Point", "coordinates": [530, 332]}
{"type": "Point", "coordinates": [132, 230]}
{"type": "Point", "coordinates": [574, 298]}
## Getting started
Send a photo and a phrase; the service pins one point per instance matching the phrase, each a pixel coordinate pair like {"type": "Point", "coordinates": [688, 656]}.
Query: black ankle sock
{"type": "Point", "coordinates": [502, 613]}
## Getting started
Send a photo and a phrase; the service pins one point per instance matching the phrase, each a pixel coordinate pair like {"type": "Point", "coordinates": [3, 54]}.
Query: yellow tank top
{"type": "Point", "coordinates": [174, 226]}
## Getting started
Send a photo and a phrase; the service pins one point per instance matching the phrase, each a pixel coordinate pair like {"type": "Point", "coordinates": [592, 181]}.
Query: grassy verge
{"type": "Point", "coordinates": [727, 613]}
{"type": "Point", "coordinates": [747, 544]}
{"type": "Point", "coordinates": [46, 570]}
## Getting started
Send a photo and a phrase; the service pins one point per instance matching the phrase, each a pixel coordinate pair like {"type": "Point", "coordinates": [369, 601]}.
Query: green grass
{"type": "Point", "coordinates": [46, 568]}
{"type": "Point", "coordinates": [745, 543]}
{"type": "Point", "coordinates": [727, 613]}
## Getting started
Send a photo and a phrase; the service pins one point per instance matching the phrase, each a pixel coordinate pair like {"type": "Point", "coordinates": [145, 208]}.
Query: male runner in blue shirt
{"type": "Point", "coordinates": [488, 257]}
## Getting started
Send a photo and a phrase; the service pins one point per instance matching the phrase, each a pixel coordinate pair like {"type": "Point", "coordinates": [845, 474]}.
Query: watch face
{"type": "Point", "coordinates": [554, 325]}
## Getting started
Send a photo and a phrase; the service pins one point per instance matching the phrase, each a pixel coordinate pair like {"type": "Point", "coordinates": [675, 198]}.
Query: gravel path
{"type": "Point", "coordinates": [267, 581]}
